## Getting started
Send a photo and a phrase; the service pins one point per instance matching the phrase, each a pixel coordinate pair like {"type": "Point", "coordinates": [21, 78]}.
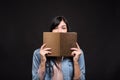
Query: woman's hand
{"type": "Point", "coordinates": [43, 52]}
{"type": "Point", "coordinates": [76, 52]}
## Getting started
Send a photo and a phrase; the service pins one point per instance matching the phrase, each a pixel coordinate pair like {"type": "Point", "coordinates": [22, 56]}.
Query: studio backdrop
{"type": "Point", "coordinates": [96, 22]}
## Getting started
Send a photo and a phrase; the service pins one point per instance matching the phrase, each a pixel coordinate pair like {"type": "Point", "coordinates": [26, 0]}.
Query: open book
{"type": "Point", "coordinates": [60, 42]}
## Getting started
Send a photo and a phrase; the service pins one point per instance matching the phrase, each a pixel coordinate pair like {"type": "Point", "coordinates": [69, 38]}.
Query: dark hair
{"type": "Point", "coordinates": [56, 21]}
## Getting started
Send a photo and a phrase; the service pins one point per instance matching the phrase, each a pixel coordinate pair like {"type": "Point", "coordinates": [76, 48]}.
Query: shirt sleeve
{"type": "Point", "coordinates": [35, 64]}
{"type": "Point", "coordinates": [82, 66]}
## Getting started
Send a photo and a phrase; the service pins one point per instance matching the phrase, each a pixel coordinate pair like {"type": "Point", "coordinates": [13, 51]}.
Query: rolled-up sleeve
{"type": "Point", "coordinates": [82, 66]}
{"type": "Point", "coordinates": [35, 64]}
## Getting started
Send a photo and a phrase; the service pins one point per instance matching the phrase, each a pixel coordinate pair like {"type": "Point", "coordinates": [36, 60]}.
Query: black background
{"type": "Point", "coordinates": [96, 22]}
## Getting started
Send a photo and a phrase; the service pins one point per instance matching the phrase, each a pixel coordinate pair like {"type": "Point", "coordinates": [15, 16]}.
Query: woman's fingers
{"type": "Point", "coordinates": [47, 49]}
{"type": "Point", "coordinates": [77, 45]}
{"type": "Point", "coordinates": [73, 53]}
{"type": "Point", "coordinates": [42, 47]}
{"type": "Point", "coordinates": [48, 52]}
{"type": "Point", "coordinates": [44, 50]}
{"type": "Point", "coordinates": [74, 49]}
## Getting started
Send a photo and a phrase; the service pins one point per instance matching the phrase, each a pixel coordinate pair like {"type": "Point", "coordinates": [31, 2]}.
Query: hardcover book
{"type": "Point", "coordinates": [60, 43]}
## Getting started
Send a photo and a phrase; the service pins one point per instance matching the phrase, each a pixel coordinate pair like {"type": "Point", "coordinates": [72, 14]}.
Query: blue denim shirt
{"type": "Point", "coordinates": [67, 67]}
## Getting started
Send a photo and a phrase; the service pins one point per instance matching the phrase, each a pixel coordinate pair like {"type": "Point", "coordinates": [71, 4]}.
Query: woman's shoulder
{"type": "Point", "coordinates": [36, 56]}
{"type": "Point", "coordinates": [36, 51]}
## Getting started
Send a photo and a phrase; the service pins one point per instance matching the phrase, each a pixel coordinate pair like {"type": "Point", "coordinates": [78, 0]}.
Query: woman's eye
{"type": "Point", "coordinates": [64, 28]}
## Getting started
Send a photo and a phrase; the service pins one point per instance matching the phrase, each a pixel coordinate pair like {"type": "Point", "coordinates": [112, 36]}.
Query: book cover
{"type": "Point", "coordinates": [60, 42]}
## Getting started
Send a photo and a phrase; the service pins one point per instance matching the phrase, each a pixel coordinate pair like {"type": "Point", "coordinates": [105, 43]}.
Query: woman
{"type": "Point", "coordinates": [58, 68]}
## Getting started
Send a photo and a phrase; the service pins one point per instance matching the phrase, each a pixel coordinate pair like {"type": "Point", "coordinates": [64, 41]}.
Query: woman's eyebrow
{"type": "Point", "coordinates": [64, 25]}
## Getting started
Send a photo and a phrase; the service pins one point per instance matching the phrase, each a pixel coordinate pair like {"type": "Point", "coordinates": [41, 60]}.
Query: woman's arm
{"type": "Point", "coordinates": [35, 65]}
{"type": "Point", "coordinates": [41, 70]}
{"type": "Point", "coordinates": [79, 68]}
{"type": "Point", "coordinates": [43, 52]}
{"type": "Point", "coordinates": [82, 66]}
{"type": "Point", "coordinates": [77, 71]}
{"type": "Point", "coordinates": [78, 62]}
{"type": "Point", "coordinates": [39, 63]}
